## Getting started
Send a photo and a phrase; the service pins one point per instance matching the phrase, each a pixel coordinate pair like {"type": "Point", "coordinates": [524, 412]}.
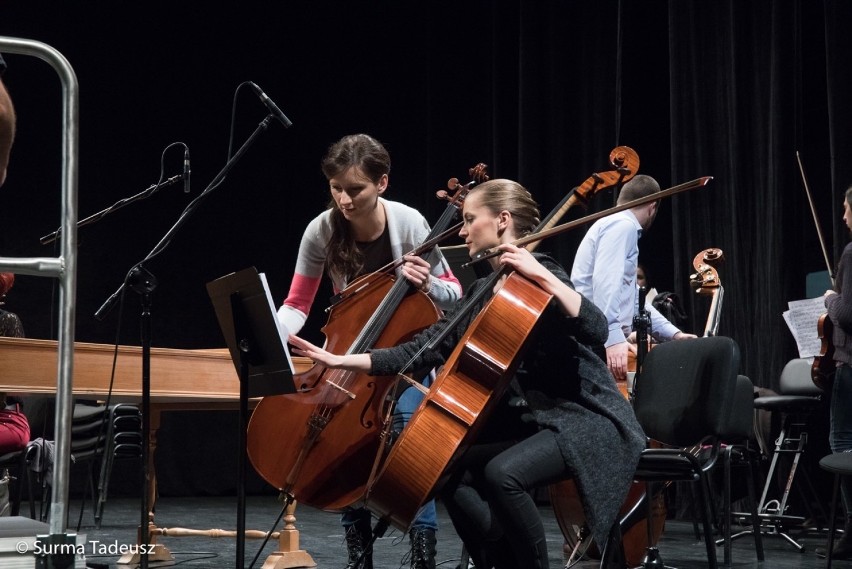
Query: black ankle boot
{"type": "Point", "coordinates": [422, 548]}
{"type": "Point", "coordinates": [358, 537]}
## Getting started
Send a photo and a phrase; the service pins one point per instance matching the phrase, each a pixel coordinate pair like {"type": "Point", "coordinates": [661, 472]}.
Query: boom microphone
{"type": "Point", "coordinates": [186, 170]}
{"type": "Point", "coordinates": [270, 104]}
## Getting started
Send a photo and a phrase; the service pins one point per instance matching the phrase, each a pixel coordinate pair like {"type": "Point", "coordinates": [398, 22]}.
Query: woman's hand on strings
{"type": "Point", "coordinates": [418, 272]}
{"type": "Point", "coordinates": [351, 362]}
{"type": "Point", "coordinates": [523, 262]}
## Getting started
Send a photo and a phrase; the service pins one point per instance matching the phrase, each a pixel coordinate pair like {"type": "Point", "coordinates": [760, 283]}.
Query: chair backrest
{"type": "Point", "coordinates": [741, 422]}
{"type": "Point", "coordinates": [686, 389]}
{"type": "Point", "coordinates": [797, 379]}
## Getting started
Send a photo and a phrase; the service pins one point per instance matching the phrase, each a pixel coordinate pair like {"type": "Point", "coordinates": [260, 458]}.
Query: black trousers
{"type": "Point", "coordinates": [489, 503]}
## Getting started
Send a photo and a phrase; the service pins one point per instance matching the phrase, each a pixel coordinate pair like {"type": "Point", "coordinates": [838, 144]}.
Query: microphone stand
{"type": "Point", "coordinates": [145, 288]}
{"type": "Point", "coordinates": [642, 327]}
{"type": "Point", "coordinates": [51, 237]}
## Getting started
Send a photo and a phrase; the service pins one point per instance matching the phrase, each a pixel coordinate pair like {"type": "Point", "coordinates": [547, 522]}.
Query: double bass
{"type": "Point", "coordinates": [318, 444]}
{"type": "Point", "coordinates": [706, 282]}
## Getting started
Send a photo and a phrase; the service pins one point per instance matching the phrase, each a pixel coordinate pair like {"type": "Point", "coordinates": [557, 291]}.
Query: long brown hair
{"type": "Point", "coordinates": [371, 157]}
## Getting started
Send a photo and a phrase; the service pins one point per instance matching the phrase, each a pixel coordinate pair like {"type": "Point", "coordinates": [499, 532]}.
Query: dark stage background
{"type": "Point", "coordinates": [540, 91]}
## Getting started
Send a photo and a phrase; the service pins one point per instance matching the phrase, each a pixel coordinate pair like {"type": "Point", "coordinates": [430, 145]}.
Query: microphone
{"type": "Point", "coordinates": [270, 104]}
{"type": "Point", "coordinates": [186, 170]}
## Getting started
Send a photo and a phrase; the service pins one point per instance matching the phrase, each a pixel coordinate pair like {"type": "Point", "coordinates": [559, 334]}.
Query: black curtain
{"type": "Point", "coordinates": [540, 91]}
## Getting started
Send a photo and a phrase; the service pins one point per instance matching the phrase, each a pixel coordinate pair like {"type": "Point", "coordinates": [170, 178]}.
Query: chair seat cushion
{"type": "Point", "coordinates": [838, 463]}
{"type": "Point", "coordinates": [788, 403]}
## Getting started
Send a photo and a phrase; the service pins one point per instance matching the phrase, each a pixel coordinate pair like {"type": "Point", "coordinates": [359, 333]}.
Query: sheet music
{"type": "Point", "coordinates": [282, 335]}
{"type": "Point", "coordinates": [802, 319]}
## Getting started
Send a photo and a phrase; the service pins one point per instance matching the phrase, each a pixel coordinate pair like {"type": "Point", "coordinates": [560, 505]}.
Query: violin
{"type": "Point", "coordinates": [318, 445]}
{"type": "Point", "coordinates": [823, 367]}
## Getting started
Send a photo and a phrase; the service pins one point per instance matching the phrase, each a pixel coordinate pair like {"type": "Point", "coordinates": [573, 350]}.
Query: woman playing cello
{"type": "Point", "coordinates": [359, 233]}
{"type": "Point", "coordinates": [563, 415]}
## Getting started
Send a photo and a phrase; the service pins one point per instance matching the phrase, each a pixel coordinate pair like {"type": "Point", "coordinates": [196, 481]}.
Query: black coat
{"type": "Point", "coordinates": [567, 389]}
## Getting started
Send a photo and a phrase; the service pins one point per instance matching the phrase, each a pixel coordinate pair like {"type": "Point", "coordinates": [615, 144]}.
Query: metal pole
{"type": "Point", "coordinates": [64, 268]}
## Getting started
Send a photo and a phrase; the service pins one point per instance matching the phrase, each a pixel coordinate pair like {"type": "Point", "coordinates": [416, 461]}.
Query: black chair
{"type": "Point", "coordinates": [798, 398]}
{"type": "Point", "coordinates": [739, 449]}
{"type": "Point", "coordinates": [99, 435]}
{"type": "Point", "coordinates": [15, 463]}
{"type": "Point", "coordinates": [839, 464]}
{"type": "Point", "coordinates": [684, 398]}
{"type": "Point", "coordinates": [124, 441]}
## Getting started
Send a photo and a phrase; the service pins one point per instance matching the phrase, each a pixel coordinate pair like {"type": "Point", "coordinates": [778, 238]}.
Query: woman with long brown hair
{"type": "Point", "coordinates": [359, 233]}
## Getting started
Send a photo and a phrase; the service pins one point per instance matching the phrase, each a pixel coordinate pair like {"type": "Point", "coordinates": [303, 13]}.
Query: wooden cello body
{"type": "Point", "coordinates": [474, 377]}
{"type": "Point", "coordinates": [476, 374]}
{"type": "Point", "coordinates": [319, 444]}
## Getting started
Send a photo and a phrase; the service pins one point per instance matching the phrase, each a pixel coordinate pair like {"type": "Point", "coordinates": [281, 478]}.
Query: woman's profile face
{"type": "Point", "coordinates": [356, 195]}
{"type": "Point", "coordinates": [480, 230]}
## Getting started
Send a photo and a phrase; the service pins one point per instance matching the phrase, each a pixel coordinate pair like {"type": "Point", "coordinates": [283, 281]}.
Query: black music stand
{"type": "Point", "coordinates": [258, 347]}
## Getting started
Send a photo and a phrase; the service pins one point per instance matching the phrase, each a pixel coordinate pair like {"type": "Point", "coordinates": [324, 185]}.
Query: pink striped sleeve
{"type": "Point", "coordinates": [303, 290]}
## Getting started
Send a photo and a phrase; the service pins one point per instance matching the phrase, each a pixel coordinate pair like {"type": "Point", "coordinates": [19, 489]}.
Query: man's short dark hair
{"type": "Point", "coordinates": [639, 187]}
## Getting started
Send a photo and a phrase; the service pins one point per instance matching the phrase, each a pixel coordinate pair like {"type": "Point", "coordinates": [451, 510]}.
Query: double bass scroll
{"type": "Point", "coordinates": [705, 281]}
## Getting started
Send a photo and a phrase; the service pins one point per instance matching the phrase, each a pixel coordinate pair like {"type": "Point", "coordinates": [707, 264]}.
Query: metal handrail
{"type": "Point", "coordinates": [63, 267]}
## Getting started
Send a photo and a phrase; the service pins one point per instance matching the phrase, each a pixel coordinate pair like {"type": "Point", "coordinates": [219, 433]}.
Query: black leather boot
{"type": "Point", "coordinates": [358, 537]}
{"type": "Point", "coordinates": [422, 548]}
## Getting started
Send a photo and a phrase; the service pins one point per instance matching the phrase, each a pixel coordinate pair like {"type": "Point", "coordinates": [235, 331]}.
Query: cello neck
{"type": "Point", "coordinates": [712, 326]}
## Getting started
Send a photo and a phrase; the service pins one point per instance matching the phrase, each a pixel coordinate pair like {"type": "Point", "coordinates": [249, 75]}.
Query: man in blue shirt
{"type": "Point", "coordinates": [604, 271]}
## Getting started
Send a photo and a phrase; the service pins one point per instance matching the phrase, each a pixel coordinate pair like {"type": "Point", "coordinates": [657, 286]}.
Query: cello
{"type": "Point", "coordinates": [317, 445]}
{"type": "Point", "coordinates": [473, 378]}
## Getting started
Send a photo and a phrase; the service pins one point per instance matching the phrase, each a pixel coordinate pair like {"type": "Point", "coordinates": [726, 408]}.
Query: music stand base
{"type": "Point", "coordinates": [161, 556]}
{"type": "Point", "coordinates": [289, 555]}
{"type": "Point", "coordinates": [288, 560]}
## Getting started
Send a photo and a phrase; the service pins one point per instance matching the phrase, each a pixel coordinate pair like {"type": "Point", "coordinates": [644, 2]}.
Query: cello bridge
{"type": "Point", "coordinates": [348, 393]}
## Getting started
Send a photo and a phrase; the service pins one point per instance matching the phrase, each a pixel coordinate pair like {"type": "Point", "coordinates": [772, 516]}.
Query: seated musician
{"type": "Point", "coordinates": [563, 415]}
{"type": "Point", "coordinates": [604, 271]}
{"type": "Point", "coordinates": [359, 233]}
{"type": "Point", "coordinates": [14, 427]}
